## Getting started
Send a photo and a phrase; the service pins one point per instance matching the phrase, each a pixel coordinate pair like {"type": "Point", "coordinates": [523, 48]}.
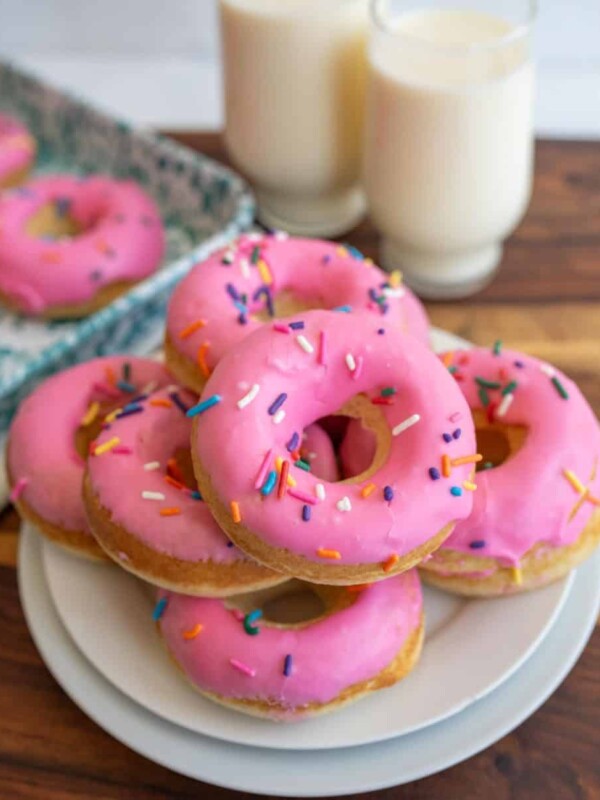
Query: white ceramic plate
{"type": "Point", "coordinates": [310, 774]}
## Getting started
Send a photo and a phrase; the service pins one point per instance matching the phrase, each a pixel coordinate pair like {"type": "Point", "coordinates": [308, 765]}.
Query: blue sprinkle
{"type": "Point", "coordinates": [297, 326]}
{"type": "Point", "coordinates": [287, 665]}
{"type": "Point", "coordinates": [306, 513]}
{"type": "Point", "coordinates": [447, 437]}
{"type": "Point", "coordinates": [388, 494]}
{"type": "Point", "coordinates": [254, 615]}
{"type": "Point", "coordinates": [457, 433]}
{"type": "Point", "coordinates": [125, 386]}
{"type": "Point", "coordinates": [434, 473]}
{"type": "Point", "coordinates": [343, 309]}
{"type": "Point", "coordinates": [204, 405]}
{"type": "Point", "coordinates": [293, 443]}
{"type": "Point", "coordinates": [179, 402]}
{"type": "Point", "coordinates": [243, 309]}
{"type": "Point", "coordinates": [277, 403]}
{"type": "Point", "coordinates": [456, 491]}
{"type": "Point", "coordinates": [354, 252]}
{"type": "Point", "coordinates": [159, 609]}
{"type": "Point", "coordinates": [477, 544]}
{"type": "Point", "coordinates": [195, 495]}
{"type": "Point", "coordinates": [269, 483]}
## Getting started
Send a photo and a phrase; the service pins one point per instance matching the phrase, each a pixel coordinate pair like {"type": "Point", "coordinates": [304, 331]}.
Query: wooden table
{"type": "Point", "coordinates": [546, 301]}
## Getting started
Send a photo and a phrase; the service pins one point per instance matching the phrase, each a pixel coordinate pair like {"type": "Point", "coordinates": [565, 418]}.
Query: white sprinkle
{"type": "Point", "coordinates": [151, 466]}
{"type": "Point", "coordinates": [408, 423]}
{"type": "Point", "coordinates": [229, 257]}
{"type": "Point", "coordinates": [320, 491]}
{"type": "Point", "coordinates": [344, 504]}
{"type": "Point", "coordinates": [279, 416]}
{"type": "Point", "coordinates": [254, 237]}
{"type": "Point", "coordinates": [149, 388]}
{"type": "Point", "coordinates": [505, 404]}
{"type": "Point", "coordinates": [548, 370]}
{"type": "Point", "coordinates": [153, 496]}
{"type": "Point", "coordinates": [389, 292]}
{"type": "Point", "coordinates": [248, 398]}
{"type": "Point", "coordinates": [305, 344]}
{"type": "Point", "coordinates": [245, 268]}
{"type": "Point", "coordinates": [281, 235]}
{"type": "Point", "coordinates": [311, 456]}
{"type": "Point", "coordinates": [350, 362]}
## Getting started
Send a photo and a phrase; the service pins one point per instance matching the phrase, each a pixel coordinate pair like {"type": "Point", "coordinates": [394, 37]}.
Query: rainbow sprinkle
{"type": "Point", "coordinates": [389, 564]}
{"type": "Point", "coordinates": [322, 357]}
{"type": "Point", "coordinates": [434, 474]}
{"type": "Point", "coordinates": [249, 397]}
{"type": "Point", "coordinates": [170, 512]}
{"type": "Point", "coordinates": [408, 423]}
{"type": "Point", "coordinates": [159, 609]}
{"type": "Point", "coordinates": [388, 494]}
{"type": "Point", "coordinates": [559, 388]}
{"type": "Point", "coordinates": [344, 504]}
{"type": "Point", "coordinates": [283, 480]}
{"type": "Point", "coordinates": [264, 468]}
{"type": "Point", "coordinates": [474, 459]}
{"type": "Point", "coordinates": [150, 466]}
{"type": "Point", "coordinates": [243, 668]}
{"type": "Point", "coordinates": [193, 632]}
{"type": "Point", "coordinates": [269, 483]}
{"type": "Point", "coordinates": [470, 486]}
{"type": "Point", "coordinates": [201, 358]}
{"type": "Point", "coordinates": [204, 406]}
{"type": "Point", "coordinates": [192, 328]}
{"type": "Point", "coordinates": [506, 403]}
{"type": "Point", "coordinates": [350, 362]}
{"type": "Point", "coordinates": [107, 446]}
{"type": "Point", "coordinates": [90, 415]}
{"type": "Point", "coordinates": [334, 555]}
{"type": "Point", "coordinates": [456, 491]}
{"type": "Point", "coordinates": [306, 513]}
{"type": "Point", "coordinates": [368, 490]}
{"type": "Point", "coordinates": [320, 491]}
{"type": "Point", "coordinates": [277, 403]}
{"type": "Point", "coordinates": [305, 344]}
{"type": "Point", "coordinates": [298, 494]}
{"type": "Point", "coordinates": [287, 666]}
{"type": "Point", "coordinates": [18, 489]}
{"type": "Point", "coordinates": [249, 621]}
{"type": "Point", "coordinates": [153, 496]}
{"type": "Point", "coordinates": [236, 515]}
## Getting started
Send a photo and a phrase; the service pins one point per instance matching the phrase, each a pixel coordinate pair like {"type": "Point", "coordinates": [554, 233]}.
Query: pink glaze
{"type": "Point", "coordinates": [17, 148]}
{"type": "Point", "coordinates": [527, 499]}
{"type": "Point", "coordinates": [232, 443]}
{"type": "Point", "coordinates": [328, 655]}
{"type": "Point", "coordinates": [123, 240]}
{"type": "Point", "coordinates": [41, 447]}
{"type": "Point", "coordinates": [317, 272]}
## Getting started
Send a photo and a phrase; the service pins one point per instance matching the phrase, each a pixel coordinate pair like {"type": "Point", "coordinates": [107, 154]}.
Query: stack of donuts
{"type": "Point", "coordinates": [69, 245]}
{"type": "Point", "coordinates": [300, 464]}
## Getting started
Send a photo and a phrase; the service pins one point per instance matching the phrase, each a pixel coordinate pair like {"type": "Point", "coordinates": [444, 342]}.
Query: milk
{"type": "Point", "coordinates": [449, 145]}
{"type": "Point", "coordinates": [295, 74]}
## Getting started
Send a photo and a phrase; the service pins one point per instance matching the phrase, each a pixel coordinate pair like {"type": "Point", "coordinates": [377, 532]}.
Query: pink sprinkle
{"type": "Point", "coordinates": [104, 388]}
{"type": "Point", "coordinates": [455, 417]}
{"type": "Point", "coordinates": [359, 365]}
{"type": "Point", "coordinates": [237, 614]}
{"type": "Point", "coordinates": [242, 667]}
{"type": "Point", "coordinates": [122, 451]}
{"type": "Point", "coordinates": [264, 468]}
{"type": "Point", "coordinates": [122, 556]}
{"type": "Point", "coordinates": [18, 489]}
{"type": "Point", "coordinates": [298, 494]}
{"type": "Point", "coordinates": [322, 349]}
{"type": "Point", "coordinates": [281, 328]}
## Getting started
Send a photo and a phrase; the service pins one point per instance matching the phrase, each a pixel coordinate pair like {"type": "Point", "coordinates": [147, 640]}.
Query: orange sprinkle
{"type": "Point", "coordinates": [592, 499]}
{"type": "Point", "coordinates": [389, 564]}
{"type": "Point", "coordinates": [333, 554]}
{"type": "Point", "coordinates": [236, 515]}
{"type": "Point", "coordinates": [110, 376]}
{"type": "Point", "coordinates": [192, 328]}
{"type": "Point", "coordinates": [368, 489]}
{"type": "Point", "coordinates": [283, 480]}
{"type": "Point", "coordinates": [172, 482]}
{"type": "Point", "coordinates": [474, 459]}
{"type": "Point", "coordinates": [174, 471]}
{"type": "Point", "coordinates": [359, 587]}
{"type": "Point", "coordinates": [469, 486]}
{"type": "Point", "coordinates": [296, 455]}
{"type": "Point", "coordinates": [446, 466]}
{"type": "Point", "coordinates": [202, 351]}
{"type": "Point", "coordinates": [574, 481]}
{"type": "Point", "coordinates": [447, 359]}
{"type": "Point", "coordinates": [170, 512]}
{"type": "Point", "coordinates": [51, 257]}
{"type": "Point", "coordinates": [161, 402]}
{"type": "Point", "coordinates": [193, 632]}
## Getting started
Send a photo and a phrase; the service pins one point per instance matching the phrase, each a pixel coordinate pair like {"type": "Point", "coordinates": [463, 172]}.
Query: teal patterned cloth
{"type": "Point", "coordinates": [202, 203]}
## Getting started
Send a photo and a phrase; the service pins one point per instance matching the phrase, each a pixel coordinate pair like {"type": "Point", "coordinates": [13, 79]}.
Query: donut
{"type": "Point", "coordinates": [286, 376]}
{"type": "Point", "coordinates": [52, 433]}
{"type": "Point", "coordinates": [71, 245]}
{"type": "Point", "coordinates": [261, 278]}
{"type": "Point", "coordinates": [17, 151]}
{"type": "Point", "coordinates": [297, 650]}
{"type": "Point", "coordinates": [146, 513]}
{"type": "Point", "coordinates": [536, 511]}
{"type": "Point", "coordinates": [316, 449]}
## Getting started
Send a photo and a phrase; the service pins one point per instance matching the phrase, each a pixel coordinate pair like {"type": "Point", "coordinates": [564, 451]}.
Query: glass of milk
{"type": "Point", "coordinates": [295, 75]}
{"type": "Point", "coordinates": [449, 136]}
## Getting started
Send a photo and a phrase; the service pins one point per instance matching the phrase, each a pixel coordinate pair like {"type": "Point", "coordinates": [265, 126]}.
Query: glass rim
{"type": "Point", "coordinates": [515, 34]}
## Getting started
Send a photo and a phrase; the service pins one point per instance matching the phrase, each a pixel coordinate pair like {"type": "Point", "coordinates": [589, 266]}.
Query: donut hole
{"type": "Point", "coordinates": [293, 604]}
{"type": "Point", "coordinates": [496, 441]}
{"type": "Point", "coordinates": [285, 304]}
{"type": "Point", "coordinates": [87, 433]}
{"type": "Point", "coordinates": [52, 221]}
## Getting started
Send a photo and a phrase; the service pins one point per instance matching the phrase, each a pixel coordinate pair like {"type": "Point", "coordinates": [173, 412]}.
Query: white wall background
{"type": "Point", "coordinates": [155, 62]}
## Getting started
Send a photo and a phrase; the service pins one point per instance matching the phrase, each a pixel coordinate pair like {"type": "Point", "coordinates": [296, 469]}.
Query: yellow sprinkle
{"type": "Point", "coordinates": [264, 272]}
{"type": "Point", "coordinates": [574, 481]}
{"type": "Point", "coordinates": [104, 448]}
{"type": "Point", "coordinates": [341, 251]}
{"type": "Point", "coordinates": [90, 415]}
{"type": "Point", "coordinates": [191, 634]}
{"type": "Point", "coordinates": [395, 279]}
{"type": "Point", "coordinates": [469, 486]}
{"type": "Point", "coordinates": [447, 358]}
{"type": "Point", "coordinates": [517, 575]}
{"type": "Point", "coordinates": [333, 554]}
{"type": "Point", "coordinates": [368, 262]}
{"type": "Point", "coordinates": [278, 463]}
{"type": "Point", "coordinates": [192, 328]}
{"type": "Point", "coordinates": [236, 515]}
{"type": "Point", "coordinates": [113, 415]}
{"type": "Point", "coordinates": [291, 481]}
{"type": "Point", "coordinates": [389, 564]}
{"type": "Point", "coordinates": [368, 489]}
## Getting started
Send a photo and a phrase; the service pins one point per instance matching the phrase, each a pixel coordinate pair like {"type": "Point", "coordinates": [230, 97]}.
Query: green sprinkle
{"type": "Point", "coordinates": [452, 370]}
{"type": "Point", "coordinates": [487, 384]}
{"type": "Point", "coordinates": [487, 465]}
{"type": "Point", "coordinates": [484, 397]}
{"type": "Point", "coordinates": [255, 255]}
{"type": "Point", "coordinates": [389, 391]}
{"type": "Point", "coordinates": [302, 465]}
{"type": "Point", "coordinates": [497, 349]}
{"type": "Point", "coordinates": [560, 388]}
{"type": "Point", "coordinates": [509, 388]}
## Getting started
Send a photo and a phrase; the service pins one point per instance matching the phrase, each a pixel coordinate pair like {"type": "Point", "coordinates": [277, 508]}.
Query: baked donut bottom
{"type": "Point", "coordinates": [15, 178]}
{"type": "Point", "coordinates": [102, 298]}
{"type": "Point", "coordinates": [204, 579]}
{"type": "Point", "coordinates": [465, 574]}
{"type": "Point", "coordinates": [185, 371]}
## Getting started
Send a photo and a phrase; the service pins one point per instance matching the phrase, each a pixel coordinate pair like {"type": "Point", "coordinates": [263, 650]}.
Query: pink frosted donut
{"type": "Point", "coordinates": [238, 655]}
{"type": "Point", "coordinates": [119, 241]}
{"type": "Point", "coordinates": [233, 292]}
{"type": "Point", "coordinates": [536, 509]}
{"type": "Point", "coordinates": [17, 151]}
{"type": "Point", "coordinates": [317, 450]}
{"type": "Point", "coordinates": [286, 376]}
{"type": "Point", "coordinates": [144, 515]}
{"type": "Point", "coordinates": [49, 437]}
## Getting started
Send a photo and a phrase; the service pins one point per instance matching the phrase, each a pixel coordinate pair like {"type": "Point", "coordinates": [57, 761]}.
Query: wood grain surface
{"type": "Point", "coordinates": [546, 301]}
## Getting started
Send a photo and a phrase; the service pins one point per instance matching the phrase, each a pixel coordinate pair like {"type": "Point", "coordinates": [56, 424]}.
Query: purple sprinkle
{"type": "Point", "coordinates": [287, 666]}
{"type": "Point", "coordinates": [434, 473]}
{"type": "Point", "coordinates": [232, 291]}
{"type": "Point", "coordinates": [243, 319]}
{"type": "Point", "coordinates": [128, 412]}
{"type": "Point", "coordinates": [457, 433]}
{"type": "Point", "coordinates": [230, 544]}
{"type": "Point", "coordinates": [297, 326]}
{"type": "Point", "coordinates": [519, 364]}
{"type": "Point", "coordinates": [96, 275]}
{"type": "Point", "coordinates": [381, 331]}
{"type": "Point", "coordinates": [373, 295]}
{"type": "Point", "coordinates": [477, 544]}
{"type": "Point", "coordinates": [277, 403]}
{"type": "Point", "coordinates": [388, 494]}
{"type": "Point", "coordinates": [385, 307]}
{"type": "Point", "coordinates": [326, 259]}
{"type": "Point", "coordinates": [447, 437]}
{"type": "Point", "coordinates": [293, 443]}
{"type": "Point", "coordinates": [306, 513]}
{"type": "Point", "coordinates": [63, 206]}
{"type": "Point", "coordinates": [179, 402]}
